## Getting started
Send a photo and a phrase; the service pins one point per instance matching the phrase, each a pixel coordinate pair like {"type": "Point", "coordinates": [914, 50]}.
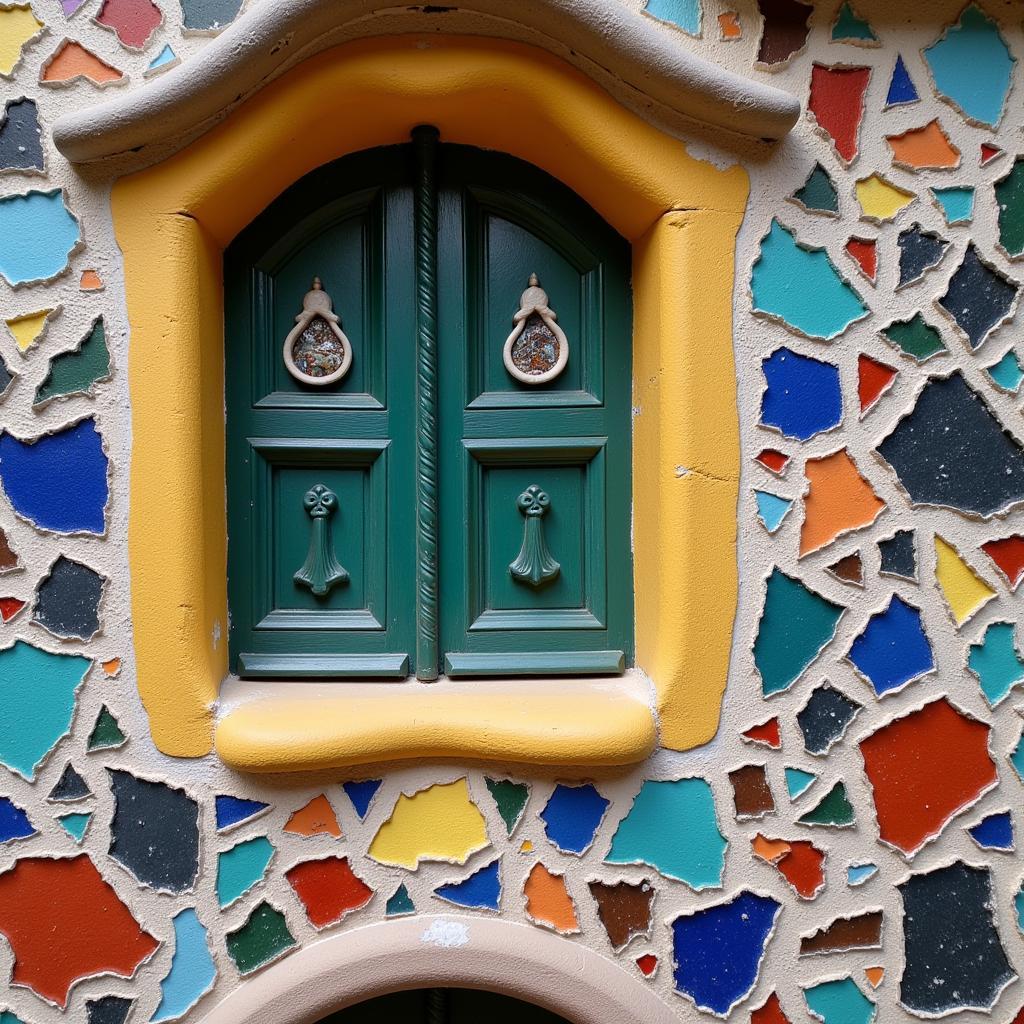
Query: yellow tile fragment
{"type": "Point", "coordinates": [26, 330]}
{"type": "Point", "coordinates": [880, 199]}
{"type": "Point", "coordinates": [964, 592]}
{"type": "Point", "coordinates": [17, 26]}
{"type": "Point", "coordinates": [437, 823]}
{"type": "Point", "coordinates": [527, 846]}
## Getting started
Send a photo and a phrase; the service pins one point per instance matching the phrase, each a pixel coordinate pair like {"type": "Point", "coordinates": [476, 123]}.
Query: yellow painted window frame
{"type": "Point", "coordinates": [173, 221]}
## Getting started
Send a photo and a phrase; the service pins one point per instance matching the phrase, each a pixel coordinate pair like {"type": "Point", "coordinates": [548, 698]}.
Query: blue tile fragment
{"type": "Point", "coordinates": [162, 59]}
{"type": "Point", "coordinates": [572, 815]}
{"type": "Point", "coordinates": [208, 15]}
{"type": "Point", "coordinates": [859, 873]}
{"type": "Point", "coordinates": [192, 970]}
{"type": "Point", "coordinates": [14, 823]}
{"type": "Point", "coordinates": [685, 14]}
{"type": "Point", "coordinates": [893, 648]}
{"type": "Point", "coordinates": [901, 86]}
{"type": "Point", "coordinates": [361, 793]}
{"type": "Point", "coordinates": [718, 950]}
{"type": "Point", "coordinates": [38, 233]}
{"type": "Point", "coordinates": [233, 810]}
{"type": "Point", "coordinates": [994, 832]}
{"type": "Point", "coordinates": [58, 481]}
{"type": "Point", "coordinates": [480, 891]}
{"type": "Point", "coordinates": [802, 397]}
{"type": "Point", "coordinates": [839, 1001]}
{"type": "Point", "coordinates": [771, 509]}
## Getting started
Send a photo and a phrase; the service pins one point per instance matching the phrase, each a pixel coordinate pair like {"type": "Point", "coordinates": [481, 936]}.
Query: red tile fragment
{"type": "Point", "coordinates": [767, 734]}
{"type": "Point", "coordinates": [864, 252]}
{"type": "Point", "coordinates": [924, 769]}
{"type": "Point", "coordinates": [803, 867]}
{"type": "Point", "coordinates": [988, 154]}
{"type": "Point", "coordinates": [65, 923]}
{"type": "Point", "coordinates": [773, 460]}
{"type": "Point", "coordinates": [1008, 555]}
{"type": "Point", "coordinates": [648, 964]}
{"type": "Point", "coordinates": [769, 1012]}
{"type": "Point", "coordinates": [329, 889]}
{"type": "Point", "coordinates": [134, 21]}
{"type": "Point", "coordinates": [9, 607]}
{"type": "Point", "coordinates": [873, 380]}
{"type": "Point", "coordinates": [837, 103]}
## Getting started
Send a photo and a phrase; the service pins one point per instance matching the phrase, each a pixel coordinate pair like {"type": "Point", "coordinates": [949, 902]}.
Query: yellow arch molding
{"type": "Point", "coordinates": [173, 221]}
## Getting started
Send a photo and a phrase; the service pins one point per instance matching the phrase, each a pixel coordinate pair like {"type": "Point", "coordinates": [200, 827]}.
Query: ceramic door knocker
{"type": "Point", "coordinates": [537, 349]}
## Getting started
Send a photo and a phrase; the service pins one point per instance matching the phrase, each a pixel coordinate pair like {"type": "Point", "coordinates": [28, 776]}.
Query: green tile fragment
{"type": "Point", "coordinates": [264, 937]}
{"type": "Point", "coordinates": [106, 733]}
{"type": "Point", "coordinates": [915, 338]}
{"type": "Point", "coordinates": [511, 798]}
{"type": "Point", "coordinates": [76, 371]}
{"type": "Point", "coordinates": [1010, 201]}
{"type": "Point", "coordinates": [849, 26]}
{"type": "Point", "coordinates": [834, 809]}
{"type": "Point", "coordinates": [400, 903]}
{"type": "Point", "coordinates": [818, 194]}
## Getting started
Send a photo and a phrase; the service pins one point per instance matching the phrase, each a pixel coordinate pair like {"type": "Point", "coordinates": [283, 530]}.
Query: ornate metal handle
{"type": "Point", "coordinates": [321, 571]}
{"type": "Point", "coordinates": [534, 564]}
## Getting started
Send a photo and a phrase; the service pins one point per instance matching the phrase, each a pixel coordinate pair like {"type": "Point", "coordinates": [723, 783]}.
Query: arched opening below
{"type": "Point", "coordinates": [444, 1006]}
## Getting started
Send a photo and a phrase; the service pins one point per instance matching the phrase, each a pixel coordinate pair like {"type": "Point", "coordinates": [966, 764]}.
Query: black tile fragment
{"type": "Point", "coordinates": [979, 297]}
{"type": "Point", "coordinates": [899, 556]}
{"type": "Point", "coordinates": [825, 717]}
{"type": "Point", "coordinates": [920, 251]}
{"type": "Point", "coordinates": [67, 601]}
{"type": "Point", "coordinates": [20, 145]}
{"type": "Point", "coordinates": [70, 786]}
{"type": "Point", "coordinates": [108, 1010]}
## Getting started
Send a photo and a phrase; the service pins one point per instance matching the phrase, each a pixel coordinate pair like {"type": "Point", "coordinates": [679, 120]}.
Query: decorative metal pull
{"type": "Point", "coordinates": [537, 349]}
{"type": "Point", "coordinates": [534, 564]}
{"type": "Point", "coordinates": [321, 571]}
{"type": "Point", "coordinates": [317, 351]}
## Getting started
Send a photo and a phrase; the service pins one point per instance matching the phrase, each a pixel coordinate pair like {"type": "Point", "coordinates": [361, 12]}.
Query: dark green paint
{"type": "Point", "coordinates": [851, 26]}
{"type": "Point", "coordinates": [75, 372]}
{"type": "Point", "coordinates": [1010, 200]}
{"type": "Point", "coordinates": [915, 338]}
{"type": "Point", "coordinates": [818, 194]}
{"type": "Point", "coordinates": [834, 809]}
{"type": "Point", "coordinates": [510, 798]}
{"type": "Point", "coordinates": [263, 937]}
{"type": "Point", "coordinates": [321, 571]}
{"type": "Point", "coordinates": [106, 733]}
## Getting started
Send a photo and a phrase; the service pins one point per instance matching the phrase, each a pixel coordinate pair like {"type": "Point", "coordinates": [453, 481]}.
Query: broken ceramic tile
{"type": "Point", "coordinates": [510, 798]}
{"type": "Point", "coordinates": [824, 719]}
{"type": "Point", "coordinates": [624, 909]}
{"type": "Point", "coordinates": [796, 625]}
{"type": "Point", "coordinates": [859, 872]}
{"type": "Point", "coordinates": [972, 67]}
{"type": "Point", "coordinates": [208, 15]}
{"type": "Point", "coordinates": [994, 832]}
{"type": "Point", "coordinates": [72, 62]}
{"type": "Point", "coordinates": [898, 556]}
{"type": "Point", "coordinates": [925, 768]}
{"type": "Point", "coordinates": [1016, 757]}
{"type": "Point", "coordinates": [1007, 374]}
{"type": "Point", "coordinates": [192, 972]}
{"type": "Point", "coordinates": [818, 193]}
{"type": "Point", "coordinates": [400, 903]}
{"type": "Point", "coordinates": [440, 822]}
{"type": "Point", "coordinates": [132, 21]}
{"type": "Point", "coordinates": [802, 396]}
{"type": "Point", "coordinates": [860, 931]}
{"type": "Point", "coordinates": [718, 950]}
{"type": "Point", "coordinates": [154, 833]}
{"type": "Point", "coordinates": [752, 796]}
{"type": "Point", "coordinates": [548, 902]}
{"type": "Point", "coordinates": [837, 105]}
{"type": "Point", "coordinates": [979, 298]}
{"type": "Point", "coordinates": [90, 281]}
{"type": "Point", "coordinates": [915, 338]}
{"type": "Point", "coordinates": [774, 461]}
{"type": "Point", "coordinates": [14, 823]}
{"type": "Point", "coordinates": [838, 501]}
{"type": "Point", "coordinates": [18, 27]}
{"type": "Point", "coordinates": [784, 30]}
{"type": "Point", "coordinates": [920, 251]}
{"type": "Point", "coordinates": [68, 599]}
{"type": "Point", "coordinates": [798, 782]}
{"type": "Point", "coordinates": [1007, 553]}
{"type": "Point", "coordinates": [771, 509]}
{"type": "Point", "coordinates": [262, 939]}
{"type": "Point", "coordinates": [880, 200]}
{"type": "Point", "coordinates": [69, 787]}
{"type": "Point", "coordinates": [21, 146]}
{"type": "Point", "coordinates": [108, 1009]}
{"type": "Point", "coordinates": [1009, 191]}
{"type": "Point", "coordinates": [901, 86]}
{"type": "Point", "coordinates": [572, 817]}
{"type": "Point", "coordinates": [684, 14]}
{"type": "Point", "coordinates": [924, 148]}
{"type": "Point", "coordinates": [833, 810]}
{"type": "Point", "coordinates": [315, 818]}
{"type": "Point", "coordinates": [954, 958]}
{"type": "Point", "coordinates": [79, 370]}
{"type": "Point", "coordinates": [951, 426]}
{"type": "Point", "coordinates": [893, 649]}
{"type": "Point", "coordinates": [864, 253]}
{"type": "Point", "coordinates": [479, 891]}
{"type": "Point", "coordinates": [956, 203]}
{"type": "Point", "coordinates": [361, 794]}
{"type": "Point", "coordinates": [163, 61]}
{"type": "Point", "coordinates": [329, 889]}
{"type": "Point", "coordinates": [693, 851]}
{"type": "Point", "coordinates": [75, 823]}
{"type": "Point", "coordinates": [647, 964]}
{"type": "Point", "coordinates": [106, 733]}
{"type": "Point", "coordinates": [849, 569]}
{"type": "Point", "coordinates": [800, 862]}
{"type": "Point", "coordinates": [7, 377]}
{"type": "Point", "coordinates": [766, 734]}
{"type": "Point", "coordinates": [769, 1012]}
{"type": "Point", "coordinates": [10, 607]}
{"type": "Point", "coordinates": [824, 306]}
{"type": "Point", "coordinates": [874, 379]}
{"type": "Point", "coordinates": [965, 593]}
{"type": "Point", "coordinates": [839, 1001]}
{"type": "Point", "coordinates": [47, 907]}
{"type": "Point", "coordinates": [38, 691]}
{"type": "Point", "coordinates": [38, 234]}
{"type": "Point", "coordinates": [241, 867]}
{"type": "Point", "coordinates": [996, 662]}
{"type": "Point", "coordinates": [232, 811]}
{"type": "Point", "coordinates": [850, 27]}
{"type": "Point", "coordinates": [29, 328]}
{"type": "Point", "coordinates": [987, 152]}
{"type": "Point", "coordinates": [9, 561]}
{"type": "Point", "coordinates": [875, 975]}
{"type": "Point", "coordinates": [730, 28]}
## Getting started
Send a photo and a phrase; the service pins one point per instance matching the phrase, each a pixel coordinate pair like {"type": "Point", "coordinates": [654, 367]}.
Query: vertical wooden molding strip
{"type": "Point", "coordinates": [425, 138]}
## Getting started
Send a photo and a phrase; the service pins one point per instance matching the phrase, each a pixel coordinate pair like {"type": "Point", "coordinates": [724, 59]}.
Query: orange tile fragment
{"type": "Point", "coordinates": [729, 26]}
{"type": "Point", "coordinates": [769, 849]}
{"type": "Point", "coordinates": [548, 901]}
{"type": "Point", "coordinates": [316, 818]}
{"type": "Point", "coordinates": [839, 500]}
{"type": "Point", "coordinates": [920, 148]}
{"type": "Point", "coordinates": [769, 1012]}
{"type": "Point", "coordinates": [72, 60]}
{"type": "Point", "coordinates": [875, 975]}
{"type": "Point", "coordinates": [90, 281]}
{"type": "Point", "coordinates": [111, 667]}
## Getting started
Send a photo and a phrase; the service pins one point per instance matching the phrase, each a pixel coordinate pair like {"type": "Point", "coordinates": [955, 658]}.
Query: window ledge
{"type": "Point", "coordinates": [281, 727]}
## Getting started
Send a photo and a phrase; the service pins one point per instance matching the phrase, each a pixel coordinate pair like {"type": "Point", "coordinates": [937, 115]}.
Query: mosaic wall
{"type": "Point", "coordinates": [844, 850]}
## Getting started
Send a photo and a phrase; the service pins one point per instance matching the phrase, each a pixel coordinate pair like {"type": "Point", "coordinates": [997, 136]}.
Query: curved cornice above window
{"type": "Point", "coordinates": [625, 52]}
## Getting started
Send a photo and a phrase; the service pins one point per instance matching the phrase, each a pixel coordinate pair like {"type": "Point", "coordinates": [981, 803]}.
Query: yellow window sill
{"type": "Point", "coordinates": [279, 727]}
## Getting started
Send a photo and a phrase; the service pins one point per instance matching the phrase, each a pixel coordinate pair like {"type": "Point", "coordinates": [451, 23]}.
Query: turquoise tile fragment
{"type": "Point", "coordinates": [164, 57]}
{"type": "Point", "coordinates": [242, 867]}
{"type": "Point", "coordinates": [771, 509]}
{"type": "Point", "coordinates": [75, 824]}
{"type": "Point", "coordinates": [685, 14]}
{"type": "Point", "coordinates": [996, 663]}
{"type": "Point", "coordinates": [38, 233]}
{"type": "Point", "coordinates": [802, 287]}
{"type": "Point", "coordinates": [859, 873]}
{"type": "Point", "coordinates": [192, 970]}
{"type": "Point", "coordinates": [798, 782]}
{"type": "Point", "coordinates": [839, 1002]}
{"type": "Point", "coordinates": [400, 903]}
{"type": "Point", "coordinates": [796, 625]}
{"type": "Point", "coordinates": [972, 66]}
{"type": "Point", "coordinates": [7, 1017]}
{"type": "Point", "coordinates": [1018, 905]}
{"type": "Point", "coordinates": [851, 26]}
{"type": "Point", "coordinates": [1007, 373]}
{"type": "Point", "coordinates": [956, 203]}
{"type": "Point", "coordinates": [37, 692]}
{"type": "Point", "coordinates": [1017, 758]}
{"type": "Point", "coordinates": [672, 827]}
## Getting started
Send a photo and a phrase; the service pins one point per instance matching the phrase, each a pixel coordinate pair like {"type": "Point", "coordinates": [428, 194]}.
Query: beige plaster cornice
{"type": "Point", "coordinates": [625, 52]}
